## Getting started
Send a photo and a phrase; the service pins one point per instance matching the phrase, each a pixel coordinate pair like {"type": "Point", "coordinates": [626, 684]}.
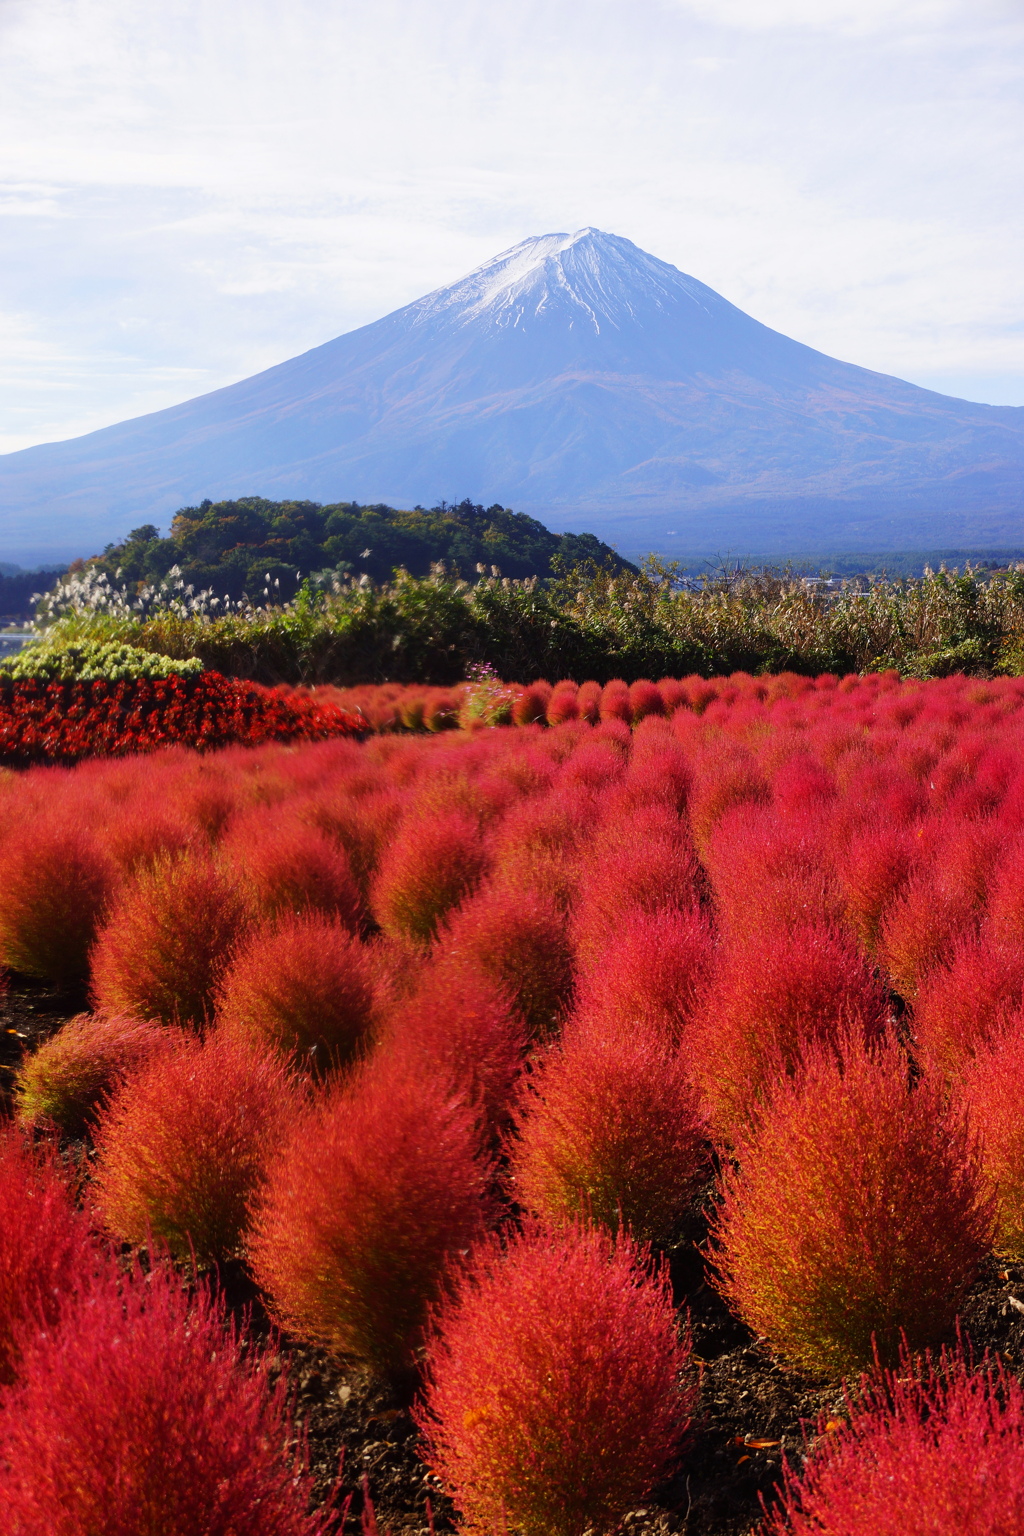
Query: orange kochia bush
{"type": "Point", "coordinates": [857, 1216]}
{"type": "Point", "coordinates": [557, 1392]}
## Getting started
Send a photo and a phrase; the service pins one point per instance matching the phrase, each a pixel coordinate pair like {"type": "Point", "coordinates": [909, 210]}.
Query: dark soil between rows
{"type": "Point", "coordinates": [752, 1409]}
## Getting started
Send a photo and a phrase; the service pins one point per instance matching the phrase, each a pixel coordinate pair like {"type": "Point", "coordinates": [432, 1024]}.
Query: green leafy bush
{"type": "Point", "coordinates": [85, 661]}
{"type": "Point", "coordinates": [590, 622]}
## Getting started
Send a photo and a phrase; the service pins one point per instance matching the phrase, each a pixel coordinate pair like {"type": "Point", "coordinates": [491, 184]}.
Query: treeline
{"type": "Point", "coordinates": [593, 623]}
{"type": "Point", "coordinates": [265, 549]}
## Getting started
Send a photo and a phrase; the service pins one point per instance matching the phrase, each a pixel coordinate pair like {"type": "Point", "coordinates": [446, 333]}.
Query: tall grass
{"type": "Point", "coordinates": [590, 623]}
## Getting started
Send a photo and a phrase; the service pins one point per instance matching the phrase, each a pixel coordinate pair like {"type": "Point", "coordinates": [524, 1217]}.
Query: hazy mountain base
{"type": "Point", "coordinates": [594, 623]}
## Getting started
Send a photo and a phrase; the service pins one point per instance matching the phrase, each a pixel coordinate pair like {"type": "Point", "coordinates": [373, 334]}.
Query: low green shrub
{"type": "Point", "coordinates": [86, 661]}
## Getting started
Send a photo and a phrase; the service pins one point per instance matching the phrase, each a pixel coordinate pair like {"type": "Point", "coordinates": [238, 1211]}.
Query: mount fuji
{"type": "Point", "coordinates": [577, 378]}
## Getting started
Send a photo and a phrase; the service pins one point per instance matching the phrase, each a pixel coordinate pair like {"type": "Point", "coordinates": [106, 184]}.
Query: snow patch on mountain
{"type": "Point", "coordinates": [593, 278]}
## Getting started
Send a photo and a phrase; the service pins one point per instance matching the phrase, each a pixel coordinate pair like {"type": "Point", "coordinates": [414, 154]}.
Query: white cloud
{"type": "Point", "coordinates": [858, 18]}
{"type": "Point", "coordinates": [198, 191]}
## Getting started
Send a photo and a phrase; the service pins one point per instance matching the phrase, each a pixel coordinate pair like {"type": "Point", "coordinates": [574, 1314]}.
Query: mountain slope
{"type": "Point", "coordinates": [577, 378]}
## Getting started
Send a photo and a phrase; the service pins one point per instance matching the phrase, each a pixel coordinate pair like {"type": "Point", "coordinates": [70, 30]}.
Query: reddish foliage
{"type": "Point", "coordinates": [62, 722]}
{"type": "Point", "coordinates": [46, 1248]}
{"type": "Point", "coordinates": [360, 825]}
{"type": "Point", "coordinates": [588, 701]}
{"type": "Point", "coordinates": [518, 939]}
{"type": "Point", "coordinates": [652, 973]}
{"type": "Point", "coordinates": [141, 1413]}
{"type": "Point", "coordinates": [934, 1447]}
{"type": "Point", "coordinates": [563, 704]}
{"type": "Point", "coordinates": [991, 1091]}
{"type": "Point", "coordinates": [965, 856]}
{"type": "Point", "coordinates": [291, 867]}
{"type": "Point", "coordinates": [857, 1216]}
{"type": "Point", "coordinates": [1006, 897]}
{"type": "Point", "coordinates": [873, 868]}
{"type": "Point", "coordinates": [968, 1003]}
{"type": "Point", "coordinates": [645, 699]}
{"type": "Point", "coordinates": [429, 868]}
{"type": "Point", "coordinates": [140, 833]}
{"type": "Point", "coordinates": [457, 1027]}
{"type": "Point", "coordinates": [615, 701]}
{"type": "Point", "coordinates": [554, 1400]}
{"type": "Point", "coordinates": [920, 929]}
{"type": "Point", "coordinates": [55, 881]}
{"type": "Point", "coordinates": [659, 771]}
{"type": "Point", "coordinates": [531, 704]}
{"type": "Point", "coordinates": [771, 997]}
{"type": "Point", "coordinates": [539, 845]}
{"type": "Point", "coordinates": [723, 780]}
{"type": "Point", "coordinates": [371, 1192]}
{"type": "Point", "coordinates": [167, 937]}
{"type": "Point", "coordinates": [770, 872]}
{"type": "Point", "coordinates": [644, 862]}
{"type": "Point", "coordinates": [183, 1143]}
{"type": "Point", "coordinates": [302, 986]}
{"type": "Point", "coordinates": [610, 1129]}
{"type": "Point", "coordinates": [62, 1082]}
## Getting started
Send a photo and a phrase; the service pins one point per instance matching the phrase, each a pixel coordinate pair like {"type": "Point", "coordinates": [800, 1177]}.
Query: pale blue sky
{"type": "Point", "coordinates": [192, 191]}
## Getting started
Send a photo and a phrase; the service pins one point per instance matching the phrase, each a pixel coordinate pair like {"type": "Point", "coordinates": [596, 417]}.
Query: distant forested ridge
{"type": "Point", "coordinates": [18, 588]}
{"type": "Point", "coordinates": [248, 545]}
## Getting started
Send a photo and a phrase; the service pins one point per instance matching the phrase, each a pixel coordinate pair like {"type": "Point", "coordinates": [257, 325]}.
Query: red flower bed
{"type": "Point", "coordinates": [62, 722]}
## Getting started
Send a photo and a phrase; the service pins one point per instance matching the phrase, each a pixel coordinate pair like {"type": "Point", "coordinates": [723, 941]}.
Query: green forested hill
{"type": "Point", "coordinates": [235, 546]}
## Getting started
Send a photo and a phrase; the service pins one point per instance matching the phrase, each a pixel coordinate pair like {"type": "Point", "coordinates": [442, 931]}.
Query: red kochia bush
{"type": "Point", "coordinates": [615, 701]}
{"type": "Point", "coordinates": [873, 867]}
{"type": "Point", "coordinates": [724, 778]}
{"type": "Point", "coordinates": [141, 1414]}
{"type": "Point", "coordinates": [168, 934]}
{"type": "Point", "coordinates": [458, 1027]}
{"type": "Point", "coordinates": [429, 867]}
{"type": "Point", "coordinates": [531, 703]}
{"type": "Point", "coordinates": [303, 987]}
{"type": "Point", "coordinates": [554, 1401]}
{"type": "Point", "coordinates": [641, 862]}
{"type": "Point", "coordinates": [370, 1193]}
{"type": "Point", "coordinates": [140, 833]}
{"type": "Point", "coordinates": [62, 1083]}
{"type": "Point", "coordinates": [46, 1248]}
{"type": "Point", "coordinates": [55, 881]}
{"type": "Point", "coordinates": [518, 939]}
{"type": "Point", "coordinates": [289, 867]}
{"type": "Point", "coordinates": [588, 700]}
{"type": "Point", "coordinates": [563, 704]}
{"type": "Point", "coordinates": [362, 827]}
{"type": "Point", "coordinates": [968, 1003]}
{"type": "Point", "coordinates": [920, 929]}
{"type": "Point", "coordinates": [857, 1215]}
{"type": "Point", "coordinates": [992, 1091]}
{"type": "Point", "coordinates": [652, 973]}
{"type": "Point", "coordinates": [183, 1143]}
{"type": "Point", "coordinates": [932, 1449]}
{"type": "Point", "coordinates": [645, 699]}
{"type": "Point", "coordinates": [770, 998]}
{"type": "Point", "coordinates": [610, 1129]}
{"type": "Point", "coordinates": [770, 871]}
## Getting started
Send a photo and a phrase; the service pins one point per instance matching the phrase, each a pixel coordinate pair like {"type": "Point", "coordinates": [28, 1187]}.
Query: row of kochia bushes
{"type": "Point", "coordinates": [351, 1002]}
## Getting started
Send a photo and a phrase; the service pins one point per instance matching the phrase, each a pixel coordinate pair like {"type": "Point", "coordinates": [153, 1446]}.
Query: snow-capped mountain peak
{"type": "Point", "coordinates": [588, 278]}
{"type": "Point", "coordinates": [575, 377]}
